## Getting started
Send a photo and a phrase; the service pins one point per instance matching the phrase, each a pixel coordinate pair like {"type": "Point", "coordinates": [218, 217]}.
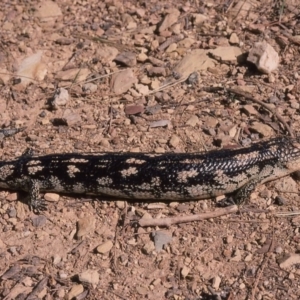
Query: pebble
{"type": "Point", "coordinates": [71, 118]}
{"type": "Point", "coordinates": [264, 57]}
{"type": "Point", "coordinates": [170, 18]}
{"type": "Point", "coordinates": [198, 19]}
{"type": "Point", "coordinates": [157, 71]}
{"type": "Point", "coordinates": [123, 81]}
{"type": "Point", "coordinates": [85, 226]}
{"type": "Point", "coordinates": [234, 39]}
{"type": "Point", "coordinates": [89, 88]}
{"type": "Point", "coordinates": [75, 291]}
{"type": "Point", "coordinates": [216, 282]}
{"type": "Point", "coordinates": [174, 141]}
{"type": "Point", "coordinates": [31, 68]}
{"type": "Point", "coordinates": [289, 261]}
{"type": "Point", "coordinates": [127, 59]}
{"type": "Point", "coordinates": [105, 247]}
{"type": "Point", "coordinates": [61, 97]}
{"type": "Point", "coordinates": [185, 271]}
{"type": "Point", "coordinates": [51, 197]}
{"type": "Point", "coordinates": [89, 276]}
{"type": "Point", "coordinates": [192, 121]}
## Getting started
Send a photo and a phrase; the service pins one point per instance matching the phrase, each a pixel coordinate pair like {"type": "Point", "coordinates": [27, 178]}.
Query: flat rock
{"type": "Point", "coordinates": [126, 58]}
{"type": "Point", "coordinates": [170, 18]}
{"type": "Point", "coordinates": [47, 10]}
{"type": "Point", "coordinates": [74, 75]}
{"type": "Point", "coordinates": [32, 68]}
{"type": "Point", "coordinates": [105, 247]}
{"type": "Point", "coordinates": [289, 261]}
{"type": "Point", "coordinates": [263, 129]}
{"type": "Point", "coordinates": [107, 54]}
{"type": "Point", "coordinates": [227, 54]}
{"type": "Point", "coordinates": [122, 81]}
{"type": "Point", "coordinates": [196, 60]}
{"type": "Point", "coordinates": [85, 226]}
{"type": "Point", "coordinates": [264, 56]}
{"type": "Point", "coordinates": [89, 276]}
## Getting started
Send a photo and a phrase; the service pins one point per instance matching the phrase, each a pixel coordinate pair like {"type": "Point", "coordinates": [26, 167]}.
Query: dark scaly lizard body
{"type": "Point", "coordinates": [169, 176]}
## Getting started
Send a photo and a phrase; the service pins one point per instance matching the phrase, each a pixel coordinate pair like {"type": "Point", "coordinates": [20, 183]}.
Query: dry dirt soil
{"type": "Point", "coordinates": [153, 76]}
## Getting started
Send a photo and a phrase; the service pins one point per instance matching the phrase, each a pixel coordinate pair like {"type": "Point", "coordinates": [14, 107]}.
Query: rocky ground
{"type": "Point", "coordinates": [154, 76]}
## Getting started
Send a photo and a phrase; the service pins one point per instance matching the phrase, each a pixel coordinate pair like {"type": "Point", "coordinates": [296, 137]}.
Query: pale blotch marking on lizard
{"type": "Point", "coordinates": [34, 163]}
{"type": "Point", "coordinates": [191, 161]}
{"type": "Point", "coordinates": [156, 181]}
{"type": "Point", "coordinates": [35, 169]}
{"type": "Point", "coordinates": [184, 175]}
{"type": "Point", "coordinates": [6, 171]}
{"type": "Point", "coordinates": [135, 161]}
{"type": "Point", "coordinates": [56, 184]}
{"type": "Point", "coordinates": [104, 180]}
{"type": "Point", "coordinates": [72, 170]}
{"type": "Point", "coordinates": [128, 172]}
{"type": "Point", "coordinates": [253, 171]}
{"type": "Point", "coordinates": [199, 190]}
{"type": "Point", "coordinates": [78, 160]}
{"type": "Point", "coordinates": [78, 188]}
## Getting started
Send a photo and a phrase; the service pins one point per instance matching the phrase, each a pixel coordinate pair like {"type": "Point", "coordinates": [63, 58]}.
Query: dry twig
{"type": "Point", "coordinates": [166, 222]}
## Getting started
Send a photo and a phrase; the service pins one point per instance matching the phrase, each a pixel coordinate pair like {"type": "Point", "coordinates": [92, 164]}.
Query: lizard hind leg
{"type": "Point", "coordinates": [241, 196]}
{"type": "Point", "coordinates": [35, 202]}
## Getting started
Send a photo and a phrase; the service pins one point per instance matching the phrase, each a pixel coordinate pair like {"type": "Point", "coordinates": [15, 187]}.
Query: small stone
{"type": "Point", "coordinates": [31, 68]}
{"type": "Point", "coordinates": [74, 75]}
{"type": "Point", "coordinates": [75, 291]}
{"type": "Point", "coordinates": [105, 247]}
{"type": "Point", "coordinates": [263, 129]}
{"type": "Point", "coordinates": [229, 239]}
{"type": "Point", "coordinates": [61, 97]}
{"type": "Point", "coordinates": [70, 118]}
{"type": "Point", "coordinates": [89, 88]}
{"type": "Point", "coordinates": [248, 257]}
{"type": "Point", "coordinates": [47, 10]}
{"type": "Point", "coordinates": [56, 259]}
{"type": "Point", "coordinates": [141, 290]}
{"type": "Point", "coordinates": [185, 271]}
{"type": "Point", "coordinates": [134, 109]}
{"type": "Point", "coordinates": [142, 57]}
{"type": "Point", "coordinates": [289, 261]}
{"type": "Point", "coordinates": [174, 141]}
{"type": "Point", "coordinates": [216, 282]}
{"type": "Point", "coordinates": [236, 256]}
{"type": "Point", "coordinates": [264, 57]}
{"type": "Point", "coordinates": [250, 109]}
{"type": "Point", "coordinates": [157, 71]}
{"type": "Point", "coordinates": [39, 221]}
{"type": "Point", "coordinates": [234, 39]}
{"type": "Point", "coordinates": [12, 197]}
{"type": "Point", "coordinates": [148, 248]}
{"type": "Point", "coordinates": [198, 19]}
{"type": "Point", "coordinates": [171, 18]}
{"type": "Point", "coordinates": [51, 197]}
{"type": "Point", "coordinates": [89, 277]}
{"type": "Point", "coordinates": [122, 81]}
{"type": "Point", "coordinates": [126, 58]}
{"type": "Point", "coordinates": [85, 226]}
{"type": "Point", "coordinates": [159, 123]}
{"type": "Point", "coordinates": [161, 238]}
{"type": "Point", "coordinates": [171, 48]}
{"type": "Point", "coordinates": [142, 89]}
{"type": "Point", "coordinates": [120, 204]}
{"type": "Point", "coordinates": [192, 121]}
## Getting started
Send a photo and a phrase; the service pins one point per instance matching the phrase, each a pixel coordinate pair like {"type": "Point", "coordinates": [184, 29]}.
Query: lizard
{"type": "Point", "coordinates": [166, 176]}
